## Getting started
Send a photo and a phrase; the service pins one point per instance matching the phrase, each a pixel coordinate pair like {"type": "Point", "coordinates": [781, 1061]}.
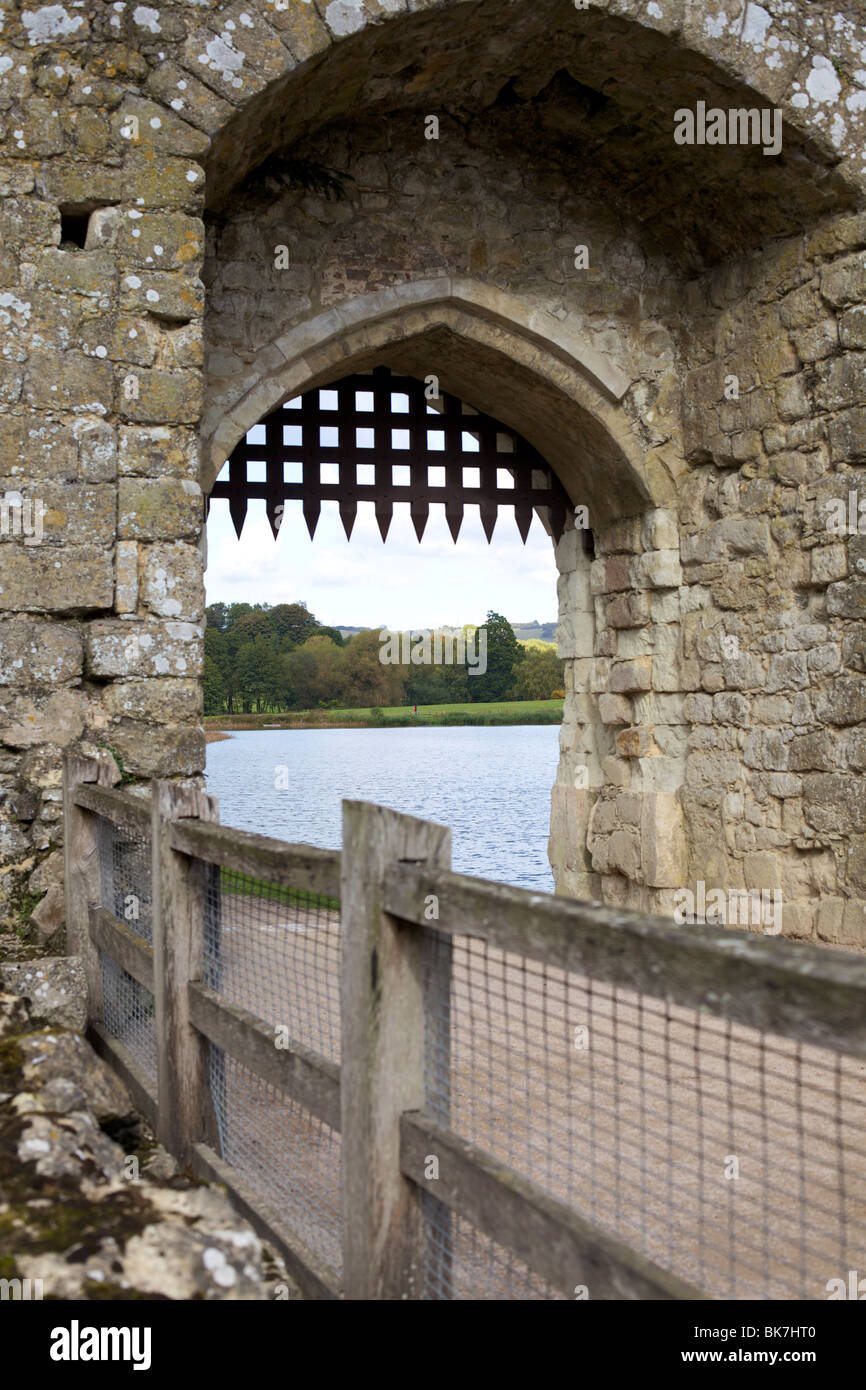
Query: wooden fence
{"type": "Point", "coordinates": [392, 867]}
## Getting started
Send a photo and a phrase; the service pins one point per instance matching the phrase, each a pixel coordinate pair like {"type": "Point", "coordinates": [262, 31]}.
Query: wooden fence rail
{"type": "Point", "coordinates": [390, 869]}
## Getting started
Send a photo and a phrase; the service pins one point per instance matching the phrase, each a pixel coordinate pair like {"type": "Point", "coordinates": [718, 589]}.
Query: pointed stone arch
{"type": "Point", "coordinates": [538, 377]}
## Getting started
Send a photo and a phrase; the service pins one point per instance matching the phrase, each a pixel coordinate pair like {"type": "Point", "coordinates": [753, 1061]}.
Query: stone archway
{"type": "Point", "coordinates": [558, 392]}
{"type": "Point", "coordinates": [565, 400]}
{"type": "Point", "coordinates": [726, 288]}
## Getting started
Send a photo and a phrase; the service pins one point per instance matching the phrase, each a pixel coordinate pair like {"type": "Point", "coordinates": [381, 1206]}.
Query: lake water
{"type": "Point", "coordinates": [491, 785]}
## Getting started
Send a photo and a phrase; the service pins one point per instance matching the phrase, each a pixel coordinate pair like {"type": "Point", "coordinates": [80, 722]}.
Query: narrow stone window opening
{"type": "Point", "coordinates": [73, 229]}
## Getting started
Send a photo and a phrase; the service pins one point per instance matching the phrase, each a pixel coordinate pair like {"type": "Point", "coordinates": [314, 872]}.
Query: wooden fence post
{"type": "Point", "coordinates": [382, 1066]}
{"type": "Point", "coordinates": [178, 934]}
{"type": "Point", "coordinates": [81, 867]}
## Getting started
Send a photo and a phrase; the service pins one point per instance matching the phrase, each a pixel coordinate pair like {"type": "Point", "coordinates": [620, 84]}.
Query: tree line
{"type": "Point", "coordinates": [261, 659]}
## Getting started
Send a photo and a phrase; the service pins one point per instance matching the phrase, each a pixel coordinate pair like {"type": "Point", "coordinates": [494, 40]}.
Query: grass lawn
{"type": "Point", "coordinates": [497, 712]}
{"type": "Point", "coordinates": [232, 881]}
{"type": "Point", "coordinates": [510, 707]}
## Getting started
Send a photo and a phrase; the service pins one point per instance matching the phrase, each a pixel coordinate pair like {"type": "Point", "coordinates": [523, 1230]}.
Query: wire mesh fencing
{"type": "Point", "coordinates": [464, 1264]}
{"type": "Point", "coordinates": [288, 1156]}
{"type": "Point", "coordinates": [731, 1157]}
{"type": "Point", "coordinates": [128, 1008]}
{"type": "Point", "coordinates": [728, 1155]}
{"type": "Point", "coordinates": [276, 952]}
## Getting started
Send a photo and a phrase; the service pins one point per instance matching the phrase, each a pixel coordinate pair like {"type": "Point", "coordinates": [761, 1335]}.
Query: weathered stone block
{"type": "Point", "coordinates": [801, 307]}
{"type": "Point", "coordinates": [774, 357]}
{"type": "Point", "coordinates": [834, 802]}
{"type": "Point", "coordinates": [49, 915]}
{"type": "Point", "coordinates": [842, 921]}
{"type": "Point", "coordinates": [815, 343]}
{"type": "Point", "coordinates": [636, 743]}
{"type": "Point", "coordinates": [854, 749]}
{"type": "Point", "coordinates": [91, 273]}
{"type": "Point", "coordinates": [97, 450]}
{"type": "Point", "coordinates": [743, 673]}
{"type": "Point", "coordinates": [852, 328]}
{"type": "Point", "coordinates": [66, 183]}
{"type": "Point", "coordinates": [39, 653]}
{"type": "Point", "coordinates": [155, 701]}
{"type": "Point", "coordinates": [171, 297]}
{"type": "Point", "coordinates": [660, 530]}
{"type": "Point", "coordinates": [784, 784]}
{"type": "Point", "coordinates": [614, 709]}
{"type": "Point", "coordinates": [163, 182]}
{"type": "Point", "coordinates": [149, 394]}
{"type": "Point", "coordinates": [774, 709]}
{"type": "Point", "coordinates": [157, 452]}
{"type": "Point", "coordinates": [660, 569]}
{"type": "Point", "coordinates": [730, 708]}
{"type": "Point", "coordinates": [102, 229]}
{"type": "Point", "coordinates": [813, 752]}
{"type": "Point", "coordinates": [848, 436]}
{"type": "Point", "coordinates": [855, 863]}
{"type": "Point", "coordinates": [841, 382]}
{"type": "Point", "coordinates": [699, 709]}
{"type": "Point", "coordinates": [156, 129]}
{"type": "Point", "coordinates": [629, 676]}
{"type": "Point", "coordinates": [847, 600]}
{"type": "Point", "coordinates": [663, 841]}
{"type": "Point", "coordinates": [126, 577]}
{"type": "Point", "coordinates": [828, 563]}
{"type": "Point", "coordinates": [617, 574]}
{"type": "Point", "coordinates": [732, 535]}
{"type": "Point", "coordinates": [844, 282]}
{"type": "Point", "coordinates": [854, 650]}
{"type": "Point", "coordinates": [165, 751]}
{"type": "Point", "coordinates": [792, 398]}
{"type": "Point", "coordinates": [844, 702]}
{"type": "Point", "coordinates": [617, 853]}
{"type": "Point", "coordinates": [69, 382]}
{"type": "Point", "coordinates": [135, 342]}
{"type": "Point", "coordinates": [824, 660]}
{"type": "Point", "coordinates": [193, 100]}
{"type": "Point", "coordinates": [837, 234]}
{"type": "Point", "coordinates": [628, 610]}
{"type": "Point", "coordinates": [159, 508]}
{"type": "Point", "coordinates": [794, 469]}
{"type": "Point", "coordinates": [56, 719]}
{"type": "Point", "coordinates": [117, 648]}
{"type": "Point", "coordinates": [55, 579]}
{"type": "Point", "coordinates": [787, 671]}
{"type": "Point", "coordinates": [75, 513]}
{"type": "Point", "coordinates": [55, 988]}
{"type": "Point", "coordinates": [857, 554]}
{"type": "Point", "coordinates": [798, 919]}
{"type": "Point", "coordinates": [11, 380]}
{"type": "Point", "coordinates": [172, 581]}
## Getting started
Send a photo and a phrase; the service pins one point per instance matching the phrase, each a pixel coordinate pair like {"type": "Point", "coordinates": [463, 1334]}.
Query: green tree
{"type": "Point", "coordinates": [216, 616]}
{"type": "Point", "coordinates": [504, 654]}
{"type": "Point", "coordinates": [367, 680]}
{"type": "Point", "coordinates": [303, 673]}
{"type": "Point", "coordinates": [258, 673]}
{"type": "Point", "coordinates": [251, 625]}
{"type": "Point", "coordinates": [292, 623]}
{"type": "Point", "coordinates": [235, 611]}
{"type": "Point", "coordinates": [538, 675]}
{"type": "Point", "coordinates": [437, 685]}
{"type": "Point", "coordinates": [214, 687]}
{"type": "Point", "coordinates": [217, 653]}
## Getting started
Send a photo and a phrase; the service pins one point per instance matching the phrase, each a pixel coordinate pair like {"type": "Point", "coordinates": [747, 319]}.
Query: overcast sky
{"type": "Point", "coordinates": [400, 584]}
